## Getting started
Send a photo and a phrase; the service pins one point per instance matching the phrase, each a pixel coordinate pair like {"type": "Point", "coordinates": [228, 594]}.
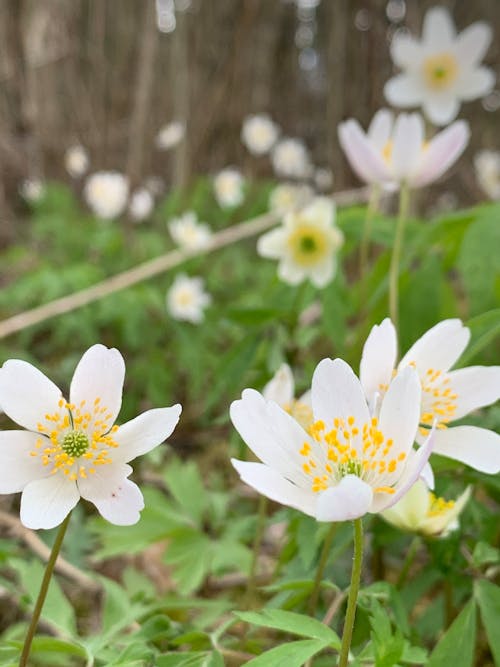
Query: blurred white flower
{"type": "Point", "coordinates": [323, 178]}
{"type": "Point", "coordinates": [259, 134]}
{"type": "Point", "coordinates": [188, 233]}
{"type": "Point", "coordinates": [442, 69]}
{"type": "Point", "coordinates": [487, 166]}
{"type": "Point", "coordinates": [76, 161]}
{"type": "Point", "coordinates": [32, 189]}
{"type": "Point", "coordinates": [228, 187]}
{"type": "Point", "coordinates": [281, 390]}
{"type": "Point", "coordinates": [141, 204]}
{"type": "Point", "coordinates": [305, 244]}
{"type": "Point", "coordinates": [170, 135]}
{"type": "Point", "coordinates": [187, 299]}
{"type": "Point", "coordinates": [290, 159]}
{"type": "Point", "coordinates": [106, 193]}
{"type": "Point", "coordinates": [420, 511]}
{"type": "Point", "coordinates": [395, 152]}
{"type": "Point", "coordinates": [289, 197]}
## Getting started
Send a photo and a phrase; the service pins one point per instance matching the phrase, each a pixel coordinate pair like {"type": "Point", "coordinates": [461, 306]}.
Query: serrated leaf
{"type": "Point", "coordinates": [289, 621]}
{"type": "Point", "coordinates": [184, 482]}
{"type": "Point", "coordinates": [488, 599]}
{"type": "Point", "coordinates": [456, 646]}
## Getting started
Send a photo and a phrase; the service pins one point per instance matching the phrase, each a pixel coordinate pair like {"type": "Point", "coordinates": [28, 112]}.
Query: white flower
{"type": "Point", "coordinates": [289, 197]}
{"type": "Point", "coordinates": [188, 233]}
{"type": "Point", "coordinates": [290, 159]}
{"type": "Point", "coordinates": [447, 394]}
{"type": "Point", "coordinates": [348, 462]}
{"type": "Point", "coordinates": [259, 134]}
{"type": "Point", "coordinates": [487, 166]}
{"type": "Point", "coordinates": [391, 152]}
{"type": "Point", "coordinates": [306, 244]}
{"type": "Point", "coordinates": [70, 449]}
{"type": "Point", "coordinates": [76, 161]}
{"type": "Point", "coordinates": [443, 69]}
{"type": "Point", "coordinates": [106, 193]}
{"type": "Point", "coordinates": [141, 204]}
{"type": "Point", "coordinates": [170, 135]}
{"type": "Point", "coordinates": [187, 299]}
{"type": "Point", "coordinates": [228, 187]}
{"type": "Point", "coordinates": [281, 390]}
{"type": "Point", "coordinates": [32, 189]}
{"type": "Point", "coordinates": [420, 511]}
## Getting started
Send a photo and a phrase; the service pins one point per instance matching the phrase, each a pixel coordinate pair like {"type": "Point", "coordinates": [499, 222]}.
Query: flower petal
{"type": "Point", "coordinates": [408, 138]}
{"type": "Point", "coordinates": [26, 394]}
{"type": "Point", "coordinates": [45, 503]}
{"type": "Point", "coordinates": [281, 387]}
{"type": "Point", "coordinates": [361, 154]}
{"type": "Point", "coordinates": [99, 374]}
{"type": "Point", "coordinates": [477, 447]}
{"type": "Point", "coordinates": [404, 90]}
{"type": "Point", "coordinates": [145, 432]}
{"type": "Point", "coordinates": [118, 499]}
{"type": "Point", "coordinates": [290, 272]}
{"type": "Point", "coordinates": [441, 108]}
{"type": "Point", "coordinates": [472, 43]}
{"type": "Point", "coordinates": [405, 51]}
{"type": "Point", "coordinates": [379, 132]}
{"type": "Point", "coordinates": [442, 152]}
{"type": "Point", "coordinates": [350, 499]}
{"type": "Point", "coordinates": [439, 348]}
{"type": "Point", "coordinates": [271, 484]}
{"type": "Point", "coordinates": [427, 475]}
{"type": "Point", "coordinates": [378, 359]}
{"type": "Point", "coordinates": [320, 211]}
{"type": "Point", "coordinates": [434, 525]}
{"type": "Point", "coordinates": [476, 83]}
{"type": "Point", "coordinates": [18, 467]}
{"type": "Point", "coordinates": [337, 392]}
{"type": "Point", "coordinates": [272, 244]}
{"type": "Point", "coordinates": [438, 30]}
{"type": "Point", "coordinates": [323, 273]}
{"type": "Point", "coordinates": [476, 387]}
{"type": "Point", "coordinates": [410, 511]}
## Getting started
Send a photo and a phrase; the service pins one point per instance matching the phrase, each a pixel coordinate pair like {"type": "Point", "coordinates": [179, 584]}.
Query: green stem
{"type": "Point", "coordinates": [325, 552]}
{"type": "Point", "coordinates": [43, 592]}
{"type": "Point", "coordinates": [410, 557]}
{"type": "Point", "coordinates": [371, 209]}
{"type": "Point", "coordinates": [353, 593]}
{"type": "Point", "coordinates": [404, 201]}
{"type": "Point", "coordinates": [259, 532]}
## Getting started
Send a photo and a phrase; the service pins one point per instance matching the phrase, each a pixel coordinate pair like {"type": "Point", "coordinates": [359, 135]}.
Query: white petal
{"type": "Point", "coordinates": [271, 484]}
{"type": "Point", "coordinates": [410, 511]}
{"type": "Point", "coordinates": [477, 447]}
{"type": "Point", "coordinates": [281, 387]}
{"type": "Point", "coordinates": [427, 475]}
{"type": "Point", "coordinates": [18, 467]}
{"type": "Point", "coordinates": [405, 51]}
{"type": "Point", "coordinates": [337, 392]}
{"type": "Point", "coordinates": [407, 147]}
{"type": "Point", "coordinates": [378, 359]}
{"type": "Point", "coordinates": [45, 503]}
{"type": "Point", "coordinates": [320, 210]}
{"type": "Point", "coordinates": [323, 273]}
{"type": "Point", "coordinates": [350, 499]}
{"type": "Point", "coordinates": [272, 244]}
{"type": "Point", "coordinates": [475, 83]}
{"type": "Point", "coordinates": [442, 108]}
{"type": "Point", "coordinates": [404, 90]}
{"type": "Point", "coordinates": [361, 154]}
{"type": "Point", "coordinates": [145, 432]}
{"type": "Point", "coordinates": [290, 272]}
{"type": "Point", "coordinates": [442, 152]}
{"type": "Point", "coordinates": [439, 348]}
{"type": "Point", "coordinates": [26, 394]}
{"type": "Point", "coordinates": [438, 31]}
{"type": "Point", "coordinates": [472, 43]}
{"type": "Point", "coordinates": [379, 132]}
{"type": "Point", "coordinates": [120, 504]}
{"type": "Point", "coordinates": [476, 386]}
{"type": "Point", "coordinates": [99, 374]}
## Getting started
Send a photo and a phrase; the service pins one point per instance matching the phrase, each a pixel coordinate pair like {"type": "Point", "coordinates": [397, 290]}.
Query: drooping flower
{"type": "Point", "coordinates": [281, 390]}
{"type": "Point", "coordinates": [106, 193]}
{"type": "Point", "coordinates": [141, 204]}
{"type": "Point", "coordinates": [228, 187]}
{"type": "Point", "coordinates": [487, 166]}
{"type": "Point", "coordinates": [187, 299]}
{"type": "Point", "coordinates": [289, 197]}
{"type": "Point", "coordinates": [259, 134]}
{"type": "Point", "coordinates": [395, 152]}
{"type": "Point", "coordinates": [188, 233]}
{"type": "Point", "coordinates": [305, 244]}
{"type": "Point", "coordinates": [290, 159]}
{"type": "Point", "coordinates": [447, 395]}
{"type": "Point", "coordinates": [420, 511]}
{"type": "Point", "coordinates": [76, 161]}
{"type": "Point", "coordinates": [442, 69]}
{"type": "Point", "coordinates": [348, 462]}
{"type": "Point", "coordinates": [72, 449]}
{"type": "Point", "coordinates": [170, 135]}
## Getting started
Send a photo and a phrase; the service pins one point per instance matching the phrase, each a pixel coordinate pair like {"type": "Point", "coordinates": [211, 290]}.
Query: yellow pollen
{"type": "Point", "coordinates": [384, 489]}
{"type": "Point", "coordinates": [440, 71]}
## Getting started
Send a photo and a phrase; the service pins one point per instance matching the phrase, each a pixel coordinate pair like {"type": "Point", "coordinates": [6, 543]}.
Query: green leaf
{"type": "Point", "coordinates": [456, 646]}
{"type": "Point", "coordinates": [292, 654]}
{"type": "Point", "coordinates": [184, 482]}
{"type": "Point", "coordinates": [190, 659]}
{"type": "Point", "coordinates": [488, 599]}
{"type": "Point", "coordinates": [289, 621]}
{"type": "Point", "coordinates": [484, 329]}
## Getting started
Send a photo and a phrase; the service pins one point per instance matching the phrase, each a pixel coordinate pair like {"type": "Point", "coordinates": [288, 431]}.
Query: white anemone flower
{"type": "Point", "coordinates": [228, 187]}
{"type": "Point", "coordinates": [106, 193]}
{"type": "Point", "coordinates": [290, 159]}
{"type": "Point", "coordinates": [188, 233]}
{"type": "Point", "coordinates": [187, 299]}
{"type": "Point", "coordinates": [72, 449]}
{"type": "Point", "coordinates": [305, 244]}
{"type": "Point", "coordinates": [348, 462]}
{"type": "Point", "coordinates": [447, 395]}
{"type": "Point", "coordinates": [141, 204]}
{"type": "Point", "coordinates": [289, 197]}
{"type": "Point", "coordinates": [487, 166]}
{"type": "Point", "coordinates": [420, 511]}
{"type": "Point", "coordinates": [170, 135]}
{"type": "Point", "coordinates": [395, 152]}
{"type": "Point", "coordinates": [76, 161]}
{"type": "Point", "coordinates": [441, 70]}
{"type": "Point", "coordinates": [259, 134]}
{"type": "Point", "coordinates": [281, 390]}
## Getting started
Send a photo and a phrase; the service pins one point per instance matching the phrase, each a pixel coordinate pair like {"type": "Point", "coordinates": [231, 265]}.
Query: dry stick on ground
{"type": "Point", "coordinates": [152, 268]}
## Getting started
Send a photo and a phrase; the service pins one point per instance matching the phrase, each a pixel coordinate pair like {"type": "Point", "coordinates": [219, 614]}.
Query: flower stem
{"type": "Point", "coordinates": [325, 552]}
{"type": "Point", "coordinates": [371, 209]}
{"type": "Point", "coordinates": [410, 557]}
{"type": "Point", "coordinates": [404, 201]}
{"type": "Point", "coordinates": [353, 593]}
{"type": "Point", "coordinates": [43, 592]}
{"type": "Point", "coordinates": [259, 532]}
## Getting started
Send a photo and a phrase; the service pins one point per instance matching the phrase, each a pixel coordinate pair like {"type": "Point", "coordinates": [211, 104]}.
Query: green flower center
{"type": "Point", "coordinates": [75, 443]}
{"type": "Point", "coordinates": [307, 244]}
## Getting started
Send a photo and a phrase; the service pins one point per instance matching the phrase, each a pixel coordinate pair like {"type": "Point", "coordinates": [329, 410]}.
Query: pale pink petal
{"type": "Point", "coordinates": [404, 91]}
{"type": "Point", "coordinates": [272, 244]}
{"type": "Point", "coordinates": [281, 387]}
{"type": "Point", "coordinates": [476, 387]}
{"type": "Point", "coordinates": [145, 432]}
{"type": "Point", "coordinates": [45, 503]}
{"type": "Point", "coordinates": [472, 43]}
{"type": "Point", "coordinates": [476, 83]}
{"type": "Point", "coordinates": [405, 51]}
{"type": "Point", "coordinates": [26, 394]}
{"type": "Point", "coordinates": [442, 152]}
{"type": "Point", "coordinates": [380, 130]}
{"type": "Point", "coordinates": [477, 447]}
{"type": "Point", "coordinates": [366, 162]}
{"type": "Point", "coordinates": [408, 139]}
{"type": "Point", "coordinates": [18, 467]}
{"type": "Point", "coordinates": [441, 108]}
{"type": "Point", "coordinates": [350, 499]}
{"type": "Point", "coordinates": [378, 359]}
{"type": "Point", "coordinates": [438, 32]}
